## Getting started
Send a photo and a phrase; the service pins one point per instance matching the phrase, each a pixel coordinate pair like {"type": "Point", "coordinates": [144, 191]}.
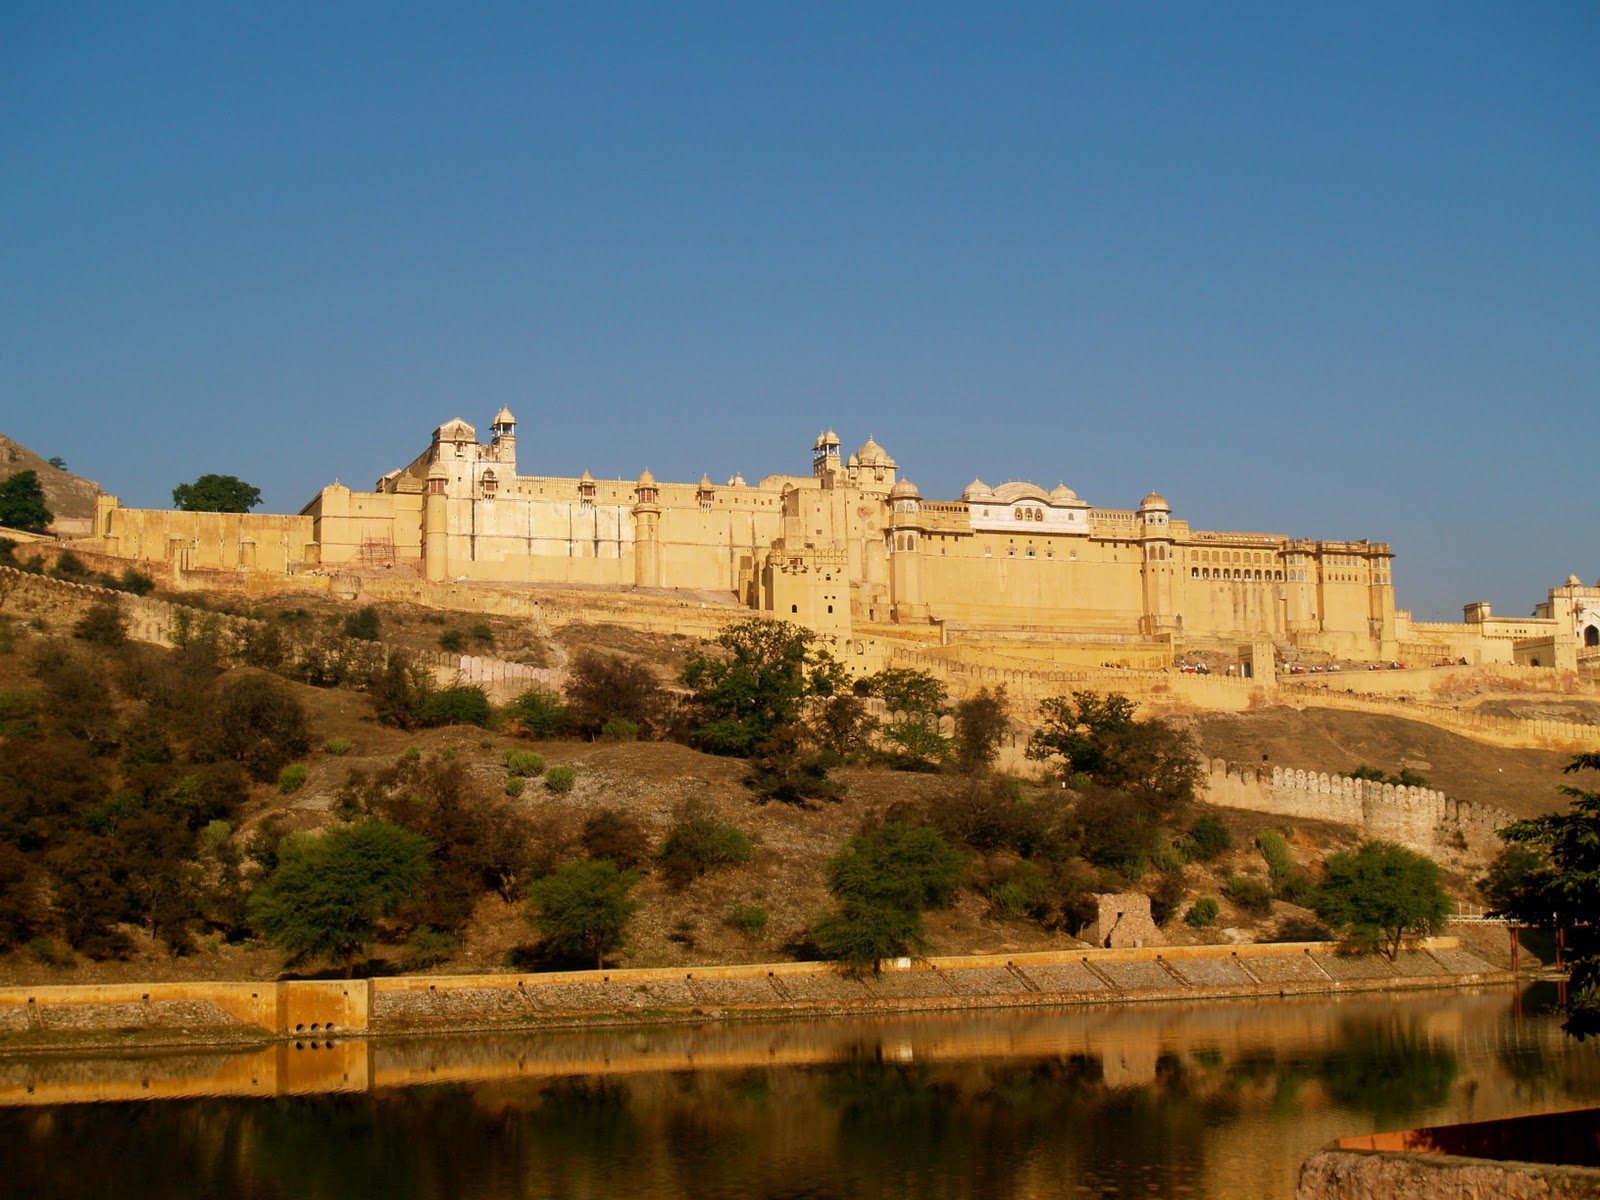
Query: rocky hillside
{"type": "Point", "coordinates": [70, 497]}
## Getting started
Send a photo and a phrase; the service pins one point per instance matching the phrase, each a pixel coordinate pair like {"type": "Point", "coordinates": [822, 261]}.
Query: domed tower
{"type": "Point", "coordinates": [436, 524]}
{"type": "Point", "coordinates": [503, 441]}
{"type": "Point", "coordinates": [874, 468]}
{"type": "Point", "coordinates": [905, 551]}
{"type": "Point", "coordinates": [647, 532]}
{"type": "Point", "coordinates": [1155, 514]}
{"type": "Point", "coordinates": [825, 454]}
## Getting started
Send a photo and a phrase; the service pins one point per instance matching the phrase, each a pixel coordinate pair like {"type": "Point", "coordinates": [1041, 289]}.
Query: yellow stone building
{"type": "Point", "coordinates": [853, 543]}
{"type": "Point", "coordinates": [853, 550]}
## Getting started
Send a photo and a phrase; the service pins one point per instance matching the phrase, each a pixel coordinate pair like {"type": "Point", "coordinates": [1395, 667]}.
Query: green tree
{"type": "Point", "coordinates": [1094, 735]}
{"type": "Point", "coordinates": [583, 909]}
{"type": "Point", "coordinates": [981, 721]}
{"type": "Point", "coordinates": [216, 493]}
{"type": "Point", "coordinates": [603, 687]}
{"type": "Point", "coordinates": [328, 892]}
{"type": "Point", "coordinates": [260, 725]}
{"type": "Point", "coordinates": [905, 690]}
{"type": "Point", "coordinates": [883, 880]}
{"type": "Point", "coordinates": [1566, 893]}
{"type": "Point", "coordinates": [757, 680]}
{"type": "Point", "coordinates": [364, 624]}
{"type": "Point", "coordinates": [22, 503]}
{"type": "Point", "coordinates": [56, 461]}
{"type": "Point", "coordinates": [1378, 893]}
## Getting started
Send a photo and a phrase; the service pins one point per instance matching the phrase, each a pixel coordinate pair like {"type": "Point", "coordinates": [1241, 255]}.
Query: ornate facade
{"type": "Point", "coordinates": [852, 549]}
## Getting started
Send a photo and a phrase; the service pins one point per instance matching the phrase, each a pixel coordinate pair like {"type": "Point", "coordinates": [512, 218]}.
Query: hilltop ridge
{"type": "Point", "coordinates": [70, 497]}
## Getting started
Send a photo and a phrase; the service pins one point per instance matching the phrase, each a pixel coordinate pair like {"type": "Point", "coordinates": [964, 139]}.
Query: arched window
{"type": "Point", "coordinates": [1591, 636]}
{"type": "Point", "coordinates": [1194, 572]}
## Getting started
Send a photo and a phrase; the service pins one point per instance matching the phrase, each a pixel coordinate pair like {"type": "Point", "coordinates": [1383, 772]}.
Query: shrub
{"type": "Point", "coordinates": [1202, 913]}
{"type": "Point", "coordinates": [136, 582]}
{"type": "Point", "coordinates": [619, 730]}
{"type": "Point", "coordinates": [1208, 838]}
{"type": "Point", "coordinates": [412, 753]}
{"type": "Point", "coordinates": [1249, 894]}
{"type": "Point", "coordinates": [560, 779]}
{"type": "Point", "coordinates": [749, 919]}
{"type": "Point", "coordinates": [481, 633]}
{"type": "Point", "coordinates": [1167, 897]}
{"type": "Point", "coordinates": [428, 947]}
{"type": "Point", "coordinates": [1275, 851]}
{"type": "Point", "coordinates": [456, 706]}
{"type": "Point", "coordinates": [103, 624]}
{"type": "Point", "coordinates": [541, 713]}
{"type": "Point", "coordinates": [514, 786]}
{"type": "Point", "coordinates": [524, 762]}
{"type": "Point", "coordinates": [292, 778]}
{"type": "Point", "coordinates": [363, 624]}
{"type": "Point", "coordinates": [260, 725]}
{"type": "Point", "coordinates": [604, 687]}
{"type": "Point", "coordinates": [1021, 891]}
{"type": "Point", "coordinates": [452, 640]}
{"type": "Point", "coordinates": [616, 836]}
{"type": "Point", "coordinates": [336, 746]}
{"type": "Point", "coordinates": [582, 910]}
{"type": "Point", "coordinates": [699, 843]}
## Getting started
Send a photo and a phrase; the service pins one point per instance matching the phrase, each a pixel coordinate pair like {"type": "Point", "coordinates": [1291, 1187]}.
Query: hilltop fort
{"type": "Point", "coordinates": [854, 551]}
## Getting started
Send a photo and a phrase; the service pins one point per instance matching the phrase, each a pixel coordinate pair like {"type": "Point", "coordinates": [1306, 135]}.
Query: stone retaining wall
{"type": "Point", "coordinates": [345, 1008]}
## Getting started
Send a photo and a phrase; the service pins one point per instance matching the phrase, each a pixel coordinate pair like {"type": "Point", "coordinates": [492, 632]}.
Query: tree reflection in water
{"type": "Point", "coordinates": [1146, 1105]}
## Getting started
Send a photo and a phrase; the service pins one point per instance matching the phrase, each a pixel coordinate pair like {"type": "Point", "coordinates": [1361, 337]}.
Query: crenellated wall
{"type": "Point", "coordinates": [60, 603]}
{"type": "Point", "coordinates": [1421, 818]}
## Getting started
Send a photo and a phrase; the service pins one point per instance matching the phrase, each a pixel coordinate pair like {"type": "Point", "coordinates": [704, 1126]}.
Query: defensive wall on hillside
{"type": "Point", "coordinates": [59, 603]}
{"type": "Point", "coordinates": [1421, 818]}
{"type": "Point", "coordinates": [155, 620]}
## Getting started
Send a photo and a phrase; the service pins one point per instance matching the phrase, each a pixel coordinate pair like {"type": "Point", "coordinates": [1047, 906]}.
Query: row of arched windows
{"type": "Point", "coordinates": [1239, 573]}
{"type": "Point", "coordinates": [1028, 514]}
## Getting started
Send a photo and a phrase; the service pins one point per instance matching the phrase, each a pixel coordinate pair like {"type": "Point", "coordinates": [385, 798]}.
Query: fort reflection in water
{"type": "Point", "coordinates": [1220, 1099]}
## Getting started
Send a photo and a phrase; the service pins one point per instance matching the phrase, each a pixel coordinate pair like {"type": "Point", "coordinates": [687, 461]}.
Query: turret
{"type": "Point", "coordinates": [504, 437]}
{"type": "Point", "coordinates": [647, 533]}
{"type": "Point", "coordinates": [825, 454]}
{"type": "Point", "coordinates": [435, 524]}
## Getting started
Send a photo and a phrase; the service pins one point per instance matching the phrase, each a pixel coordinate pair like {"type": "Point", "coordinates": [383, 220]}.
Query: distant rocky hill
{"type": "Point", "coordinates": [70, 497]}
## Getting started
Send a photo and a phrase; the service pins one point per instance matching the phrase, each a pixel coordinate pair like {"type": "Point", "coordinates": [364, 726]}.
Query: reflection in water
{"type": "Point", "coordinates": [1195, 1100]}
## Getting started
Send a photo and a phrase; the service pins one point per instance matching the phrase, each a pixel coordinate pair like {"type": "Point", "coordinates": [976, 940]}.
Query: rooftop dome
{"type": "Point", "coordinates": [1010, 493]}
{"type": "Point", "coordinates": [646, 479]}
{"type": "Point", "coordinates": [586, 478]}
{"type": "Point", "coordinates": [825, 440]}
{"type": "Point", "coordinates": [705, 483]}
{"type": "Point", "coordinates": [904, 490]}
{"type": "Point", "coordinates": [977, 490]}
{"type": "Point", "coordinates": [873, 455]}
{"type": "Point", "coordinates": [1154, 500]}
{"type": "Point", "coordinates": [437, 471]}
{"type": "Point", "coordinates": [1062, 494]}
{"type": "Point", "coordinates": [852, 461]}
{"type": "Point", "coordinates": [504, 417]}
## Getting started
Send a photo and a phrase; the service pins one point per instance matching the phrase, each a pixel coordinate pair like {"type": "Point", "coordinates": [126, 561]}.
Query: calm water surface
{"type": "Point", "coordinates": [1192, 1100]}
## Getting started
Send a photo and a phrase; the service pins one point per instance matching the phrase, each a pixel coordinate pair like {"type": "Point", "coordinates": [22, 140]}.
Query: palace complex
{"type": "Point", "coordinates": [854, 546]}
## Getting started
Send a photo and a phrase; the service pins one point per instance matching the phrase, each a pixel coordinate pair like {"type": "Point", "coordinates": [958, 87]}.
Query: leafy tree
{"type": "Point", "coordinates": [216, 493]}
{"type": "Point", "coordinates": [1208, 838]}
{"type": "Point", "coordinates": [842, 725]}
{"type": "Point", "coordinates": [905, 690]}
{"type": "Point", "coordinates": [759, 680]}
{"type": "Point", "coordinates": [364, 624]}
{"type": "Point", "coordinates": [914, 744]}
{"type": "Point", "coordinates": [981, 721]}
{"type": "Point", "coordinates": [785, 768]}
{"type": "Point", "coordinates": [697, 843]}
{"type": "Point", "coordinates": [22, 503]}
{"type": "Point", "coordinates": [617, 836]}
{"type": "Point", "coordinates": [103, 623]}
{"type": "Point", "coordinates": [603, 687]}
{"type": "Point", "coordinates": [468, 705]}
{"type": "Point", "coordinates": [1378, 893]}
{"type": "Point", "coordinates": [56, 461]}
{"type": "Point", "coordinates": [328, 892]}
{"type": "Point", "coordinates": [883, 880]}
{"type": "Point", "coordinates": [260, 725]}
{"type": "Point", "coordinates": [541, 713]}
{"type": "Point", "coordinates": [583, 910]}
{"type": "Point", "coordinates": [1097, 736]}
{"type": "Point", "coordinates": [1565, 894]}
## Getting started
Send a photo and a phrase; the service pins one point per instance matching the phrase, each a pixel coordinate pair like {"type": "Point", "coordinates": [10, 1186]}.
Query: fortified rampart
{"type": "Point", "coordinates": [1423, 819]}
{"type": "Point", "coordinates": [59, 603]}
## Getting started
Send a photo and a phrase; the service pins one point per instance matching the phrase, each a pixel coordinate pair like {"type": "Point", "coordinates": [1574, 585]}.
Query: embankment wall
{"type": "Point", "coordinates": [320, 1009]}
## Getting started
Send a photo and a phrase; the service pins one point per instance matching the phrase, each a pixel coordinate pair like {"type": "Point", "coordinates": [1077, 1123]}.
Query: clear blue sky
{"type": "Point", "coordinates": [1331, 270]}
